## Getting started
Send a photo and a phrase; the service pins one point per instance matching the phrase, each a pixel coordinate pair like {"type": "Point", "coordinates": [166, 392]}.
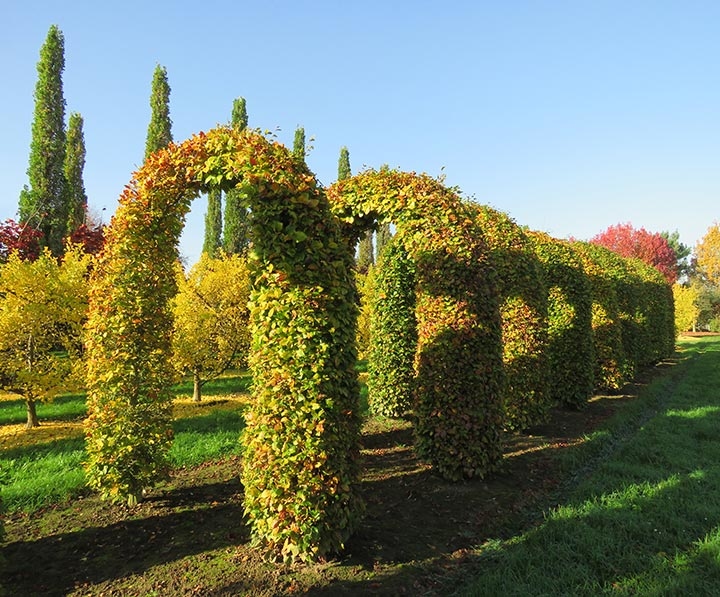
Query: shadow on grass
{"type": "Point", "coordinates": [218, 420]}
{"type": "Point", "coordinates": [38, 451]}
{"type": "Point", "coordinates": [165, 528]}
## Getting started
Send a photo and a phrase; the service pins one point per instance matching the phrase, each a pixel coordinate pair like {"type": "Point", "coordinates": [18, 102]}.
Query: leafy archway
{"type": "Point", "coordinates": [302, 427]}
{"type": "Point", "coordinates": [458, 363]}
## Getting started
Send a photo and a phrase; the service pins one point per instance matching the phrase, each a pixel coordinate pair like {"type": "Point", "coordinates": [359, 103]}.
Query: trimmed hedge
{"type": "Point", "coordinates": [302, 432]}
{"type": "Point", "coordinates": [393, 333]}
{"type": "Point", "coordinates": [570, 338]}
{"type": "Point", "coordinates": [613, 366]}
{"type": "Point", "coordinates": [458, 363]}
{"type": "Point", "coordinates": [523, 311]}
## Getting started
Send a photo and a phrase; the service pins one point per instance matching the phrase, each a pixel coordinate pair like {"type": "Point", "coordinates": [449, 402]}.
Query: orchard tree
{"type": "Point", "coordinates": [43, 203]}
{"type": "Point", "coordinates": [42, 310]}
{"type": "Point", "coordinates": [650, 247]}
{"type": "Point", "coordinates": [73, 170]}
{"type": "Point", "coordinates": [707, 254]}
{"type": "Point", "coordinates": [159, 133]}
{"type": "Point", "coordinates": [236, 225]}
{"type": "Point", "coordinates": [211, 330]}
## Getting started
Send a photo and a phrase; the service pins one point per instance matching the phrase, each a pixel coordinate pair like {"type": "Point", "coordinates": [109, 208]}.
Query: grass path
{"type": "Point", "coordinates": [647, 520]}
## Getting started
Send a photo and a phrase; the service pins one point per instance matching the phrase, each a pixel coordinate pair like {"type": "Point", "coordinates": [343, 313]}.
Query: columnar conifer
{"type": "Point", "coordinates": [42, 203]}
{"type": "Point", "coordinates": [213, 223]}
{"type": "Point", "coordinates": [299, 144]}
{"type": "Point", "coordinates": [236, 231]}
{"type": "Point", "coordinates": [159, 133]}
{"type": "Point", "coordinates": [73, 168]}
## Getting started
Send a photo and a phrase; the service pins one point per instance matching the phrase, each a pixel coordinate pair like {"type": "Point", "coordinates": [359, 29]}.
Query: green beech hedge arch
{"type": "Point", "coordinates": [570, 334]}
{"type": "Point", "coordinates": [524, 316]}
{"type": "Point", "coordinates": [301, 439]}
{"type": "Point", "coordinates": [458, 360]}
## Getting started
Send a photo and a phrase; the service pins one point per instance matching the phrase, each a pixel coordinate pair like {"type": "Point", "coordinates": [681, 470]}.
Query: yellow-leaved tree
{"type": "Point", "coordinates": [707, 253]}
{"type": "Point", "coordinates": [211, 330]}
{"type": "Point", "coordinates": [43, 306]}
{"type": "Point", "coordinates": [687, 308]}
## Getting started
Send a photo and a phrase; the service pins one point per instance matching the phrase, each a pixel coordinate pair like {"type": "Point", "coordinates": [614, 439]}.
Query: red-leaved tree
{"type": "Point", "coordinates": [21, 238]}
{"type": "Point", "coordinates": [650, 247]}
{"type": "Point", "coordinates": [91, 237]}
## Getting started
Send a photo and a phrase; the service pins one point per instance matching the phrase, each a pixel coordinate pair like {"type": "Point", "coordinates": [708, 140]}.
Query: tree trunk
{"type": "Point", "coordinates": [32, 418]}
{"type": "Point", "coordinates": [197, 387]}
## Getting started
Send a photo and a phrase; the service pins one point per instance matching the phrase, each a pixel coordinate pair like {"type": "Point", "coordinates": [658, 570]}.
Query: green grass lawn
{"type": "Point", "coordinates": [50, 470]}
{"type": "Point", "coordinates": [647, 520]}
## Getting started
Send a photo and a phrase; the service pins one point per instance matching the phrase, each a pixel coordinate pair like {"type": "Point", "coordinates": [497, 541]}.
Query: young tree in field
{"type": "Point", "coordinates": [42, 309]}
{"type": "Point", "coordinates": [707, 254]}
{"type": "Point", "coordinates": [236, 228]}
{"type": "Point", "coordinates": [73, 170]}
{"type": "Point", "coordinates": [159, 133]}
{"type": "Point", "coordinates": [650, 247]}
{"type": "Point", "coordinates": [20, 238]}
{"type": "Point", "coordinates": [43, 203]}
{"type": "Point", "coordinates": [211, 319]}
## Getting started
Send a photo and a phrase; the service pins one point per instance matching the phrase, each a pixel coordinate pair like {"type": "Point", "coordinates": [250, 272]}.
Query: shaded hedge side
{"type": "Point", "coordinates": [393, 333]}
{"type": "Point", "coordinates": [570, 339]}
{"type": "Point", "coordinates": [524, 316]}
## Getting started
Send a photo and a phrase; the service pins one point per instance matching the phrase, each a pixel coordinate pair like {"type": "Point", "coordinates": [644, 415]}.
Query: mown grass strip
{"type": "Point", "coordinates": [646, 521]}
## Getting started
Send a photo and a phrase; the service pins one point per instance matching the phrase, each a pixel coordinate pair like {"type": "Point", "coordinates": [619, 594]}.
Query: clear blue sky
{"type": "Point", "coordinates": [570, 116]}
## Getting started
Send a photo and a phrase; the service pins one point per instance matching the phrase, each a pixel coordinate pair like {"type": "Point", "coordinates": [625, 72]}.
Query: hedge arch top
{"type": "Point", "coordinates": [302, 428]}
{"type": "Point", "coordinates": [458, 363]}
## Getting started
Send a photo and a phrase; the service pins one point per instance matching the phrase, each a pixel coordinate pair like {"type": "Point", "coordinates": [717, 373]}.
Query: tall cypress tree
{"type": "Point", "coordinates": [299, 144]}
{"type": "Point", "coordinates": [213, 223]}
{"type": "Point", "coordinates": [365, 258]}
{"type": "Point", "coordinates": [73, 169]}
{"type": "Point", "coordinates": [159, 133]}
{"type": "Point", "coordinates": [236, 230]}
{"type": "Point", "coordinates": [344, 164]}
{"type": "Point", "coordinates": [43, 204]}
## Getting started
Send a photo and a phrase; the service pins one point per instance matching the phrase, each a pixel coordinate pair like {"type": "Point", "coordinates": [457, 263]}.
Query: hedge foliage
{"type": "Point", "coordinates": [393, 333]}
{"type": "Point", "coordinates": [570, 339]}
{"type": "Point", "coordinates": [458, 360]}
{"type": "Point", "coordinates": [302, 429]}
{"type": "Point", "coordinates": [612, 364]}
{"type": "Point", "coordinates": [633, 314]}
{"type": "Point", "coordinates": [523, 311]}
